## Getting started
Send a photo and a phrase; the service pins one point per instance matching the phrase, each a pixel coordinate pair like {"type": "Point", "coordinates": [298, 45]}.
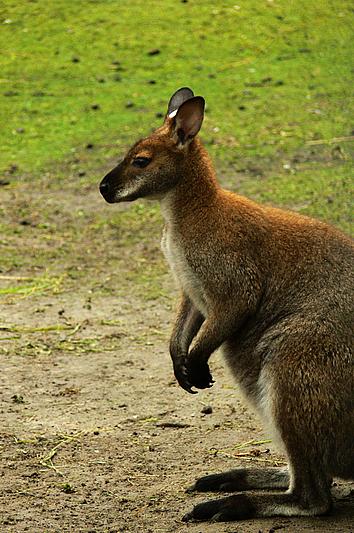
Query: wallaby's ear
{"type": "Point", "coordinates": [177, 99]}
{"type": "Point", "coordinates": [189, 118]}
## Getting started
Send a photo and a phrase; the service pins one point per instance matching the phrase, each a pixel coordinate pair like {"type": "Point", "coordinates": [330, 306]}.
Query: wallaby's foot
{"type": "Point", "coordinates": [234, 507]}
{"type": "Point", "coordinates": [244, 506]}
{"type": "Point", "coordinates": [243, 479]}
{"type": "Point", "coordinates": [199, 373]}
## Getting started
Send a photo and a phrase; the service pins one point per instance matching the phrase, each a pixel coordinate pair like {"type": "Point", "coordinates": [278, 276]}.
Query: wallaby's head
{"type": "Point", "coordinates": [154, 165]}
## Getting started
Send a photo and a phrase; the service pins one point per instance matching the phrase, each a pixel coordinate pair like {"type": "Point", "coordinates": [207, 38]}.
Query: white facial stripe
{"type": "Point", "coordinates": [134, 188]}
{"type": "Point", "coordinates": [173, 114]}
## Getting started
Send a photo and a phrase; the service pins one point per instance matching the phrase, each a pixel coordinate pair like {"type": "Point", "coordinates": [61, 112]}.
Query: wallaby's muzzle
{"type": "Point", "coordinates": [109, 186]}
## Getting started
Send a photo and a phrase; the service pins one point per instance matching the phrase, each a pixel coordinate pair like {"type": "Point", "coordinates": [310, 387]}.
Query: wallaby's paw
{"type": "Point", "coordinates": [199, 374]}
{"type": "Point", "coordinates": [182, 377]}
{"type": "Point", "coordinates": [235, 507]}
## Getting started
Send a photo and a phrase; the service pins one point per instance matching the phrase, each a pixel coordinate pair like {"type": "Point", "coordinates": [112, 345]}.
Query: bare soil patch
{"type": "Point", "coordinates": [95, 434]}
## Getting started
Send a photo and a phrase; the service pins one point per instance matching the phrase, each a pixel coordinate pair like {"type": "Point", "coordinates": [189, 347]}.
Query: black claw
{"type": "Point", "coordinates": [186, 385]}
{"type": "Point", "coordinates": [187, 517]}
{"type": "Point", "coordinates": [199, 374]}
{"type": "Point", "coordinates": [191, 488]}
{"type": "Point", "coordinates": [182, 378]}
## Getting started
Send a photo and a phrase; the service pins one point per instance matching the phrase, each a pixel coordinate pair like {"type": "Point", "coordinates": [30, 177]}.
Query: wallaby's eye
{"type": "Point", "coordinates": [141, 162]}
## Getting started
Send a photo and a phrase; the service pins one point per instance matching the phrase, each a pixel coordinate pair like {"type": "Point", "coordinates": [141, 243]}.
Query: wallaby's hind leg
{"type": "Point", "coordinates": [309, 495]}
{"type": "Point", "coordinates": [243, 479]}
{"type": "Point", "coordinates": [307, 450]}
{"type": "Point", "coordinates": [244, 506]}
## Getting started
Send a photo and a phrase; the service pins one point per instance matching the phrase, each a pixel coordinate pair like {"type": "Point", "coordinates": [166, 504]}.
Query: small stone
{"type": "Point", "coordinates": [17, 398]}
{"type": "Point", "coordinates": [207, 410]}
{"type": "Point", "coordinates": [154, 52]}
{"type": "Point", "coordinates": [89, 146]}
{"type": "Point", "coordinates": [75, 59]}
{"type": "Point", "coordinates": [95, 107]}
{"type": "Point", "coordinates": [129, 104]}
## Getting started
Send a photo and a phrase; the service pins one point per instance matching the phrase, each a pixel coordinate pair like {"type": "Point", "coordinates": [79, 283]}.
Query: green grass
{"type": "Point", "coordinates": [36, 286]}
{"type": "Point", "coordinates": [288, 64]}
{"type": "Point", "coordinates": [277, 77]}
{"type": "Point", "coordinates": [325, 192]}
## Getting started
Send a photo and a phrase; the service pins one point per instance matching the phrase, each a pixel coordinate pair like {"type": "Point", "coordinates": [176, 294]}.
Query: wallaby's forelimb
{"type": "Point", "coordinates": [188, 322]}
{"type": "Point", "coordinates": [241, 479]}
{"type": "Point", "coordinates": [187, 325]}
{"type": "Point", "coordinates": [215, 330]}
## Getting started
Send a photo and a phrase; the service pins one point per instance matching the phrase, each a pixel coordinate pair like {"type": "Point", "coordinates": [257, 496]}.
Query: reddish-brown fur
{"type": "Point", "coordinates": [275, 290]}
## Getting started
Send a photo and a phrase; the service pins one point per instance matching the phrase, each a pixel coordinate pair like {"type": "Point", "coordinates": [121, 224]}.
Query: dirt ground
{"type": "Point", "coordinates": [95, 433]}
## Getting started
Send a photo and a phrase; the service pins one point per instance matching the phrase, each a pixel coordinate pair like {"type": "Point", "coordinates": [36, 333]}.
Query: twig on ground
{"type": "Point", "coordinates": [47, 461]}
{"type": "Point", "coordinates": [175, 425]}
{"type": "Point", "coordinates": [252, 443]}
{"type": "Point", "coordinates": [331, 141]}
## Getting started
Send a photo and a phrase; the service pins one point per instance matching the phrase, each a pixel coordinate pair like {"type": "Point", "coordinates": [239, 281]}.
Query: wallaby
{"type": "Point", "coordinates": [275, 290]}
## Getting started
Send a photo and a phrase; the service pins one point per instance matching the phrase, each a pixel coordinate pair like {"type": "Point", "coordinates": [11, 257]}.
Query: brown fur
{"type": "Point", "coordinates": [275, 290]}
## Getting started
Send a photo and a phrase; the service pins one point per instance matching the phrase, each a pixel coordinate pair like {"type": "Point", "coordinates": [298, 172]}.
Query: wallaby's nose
{"type": "Point", "coordinates": [103, 187]}
{"type": "Point", "coordinates": [107, 191]}
{"type": "Point", "coordinates": [109, 185]}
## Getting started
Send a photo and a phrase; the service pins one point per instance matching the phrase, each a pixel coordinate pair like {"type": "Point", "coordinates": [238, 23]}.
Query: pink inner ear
{"type": "Point", "coordinates": [190, 123]}
{"type": "Point", "coordinates": [190, 116]}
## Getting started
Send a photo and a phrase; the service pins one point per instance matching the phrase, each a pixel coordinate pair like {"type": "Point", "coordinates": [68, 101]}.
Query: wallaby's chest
{"type": "Point", "coordinates": [182, 269]}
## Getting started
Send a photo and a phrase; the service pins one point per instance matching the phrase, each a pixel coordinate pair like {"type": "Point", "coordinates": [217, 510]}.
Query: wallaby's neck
{"type": "Point", "coordinates": [197, 186]}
